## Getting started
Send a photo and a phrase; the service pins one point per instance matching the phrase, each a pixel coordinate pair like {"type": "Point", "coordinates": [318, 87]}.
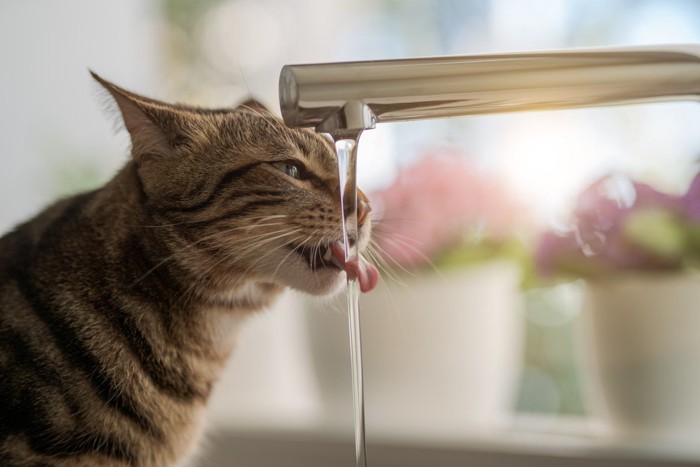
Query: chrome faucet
{"type": "Point", "coordinates": [353, 96]}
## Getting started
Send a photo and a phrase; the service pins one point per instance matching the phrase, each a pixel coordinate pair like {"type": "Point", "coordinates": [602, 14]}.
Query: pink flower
{"type": "Point", "coordinates": [435, 203]}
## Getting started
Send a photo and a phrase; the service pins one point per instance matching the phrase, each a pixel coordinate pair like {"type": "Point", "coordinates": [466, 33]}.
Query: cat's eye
{"type": "Point", "coordinates": [289, 169]}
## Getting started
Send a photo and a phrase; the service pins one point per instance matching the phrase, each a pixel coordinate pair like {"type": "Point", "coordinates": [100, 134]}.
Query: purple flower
{"type": "Point", "coordinates": [621, 224]}
{"type": "Point", "coordinates": [690, 201]}
{"type": "Point", "coordinates": [554, 250]}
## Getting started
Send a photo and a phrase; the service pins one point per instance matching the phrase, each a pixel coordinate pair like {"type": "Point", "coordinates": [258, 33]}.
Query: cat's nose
{"type": "Point", "coordinates": [363, 207]}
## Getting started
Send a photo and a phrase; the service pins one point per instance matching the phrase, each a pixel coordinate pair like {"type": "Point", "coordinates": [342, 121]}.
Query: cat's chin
{"type": "Point", "coordinates": [326, 281]}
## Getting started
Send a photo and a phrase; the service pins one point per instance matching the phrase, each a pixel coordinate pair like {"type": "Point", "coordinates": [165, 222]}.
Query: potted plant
{"type": "Point", "coordinates": [442, 333]}
{"type": "Point", "coordinates": [638, 251]}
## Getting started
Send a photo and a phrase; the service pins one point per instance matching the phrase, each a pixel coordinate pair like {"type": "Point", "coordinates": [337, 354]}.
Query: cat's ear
{"type": "Point", "coordinates": [152, 125]}
{"type": "Point", "coordinates": [253, 106]}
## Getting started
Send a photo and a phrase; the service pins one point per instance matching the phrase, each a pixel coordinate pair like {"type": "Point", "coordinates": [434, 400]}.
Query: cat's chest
{"type": "Point", "coordinates": [243, 299]}
{"type": "Point", "coordinates": [224, 314]}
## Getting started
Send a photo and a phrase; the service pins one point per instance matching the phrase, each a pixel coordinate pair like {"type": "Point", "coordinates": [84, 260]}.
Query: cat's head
{"type": "Point", "coordinates": [246, 196]}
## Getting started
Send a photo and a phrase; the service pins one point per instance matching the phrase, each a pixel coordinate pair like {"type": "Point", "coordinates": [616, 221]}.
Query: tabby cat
{"type": "Point", "coordinates": [119, 307]}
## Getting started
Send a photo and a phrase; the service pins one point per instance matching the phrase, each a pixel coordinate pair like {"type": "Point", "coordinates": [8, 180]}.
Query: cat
{"type": "Point", "coordinates": [119, 306]}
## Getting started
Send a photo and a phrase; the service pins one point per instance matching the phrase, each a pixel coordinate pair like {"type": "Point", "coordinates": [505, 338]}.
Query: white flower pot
{"type": "Point", "coordinates": [643, 343]}
{"type": "Point", "coordinates": [441, 353]}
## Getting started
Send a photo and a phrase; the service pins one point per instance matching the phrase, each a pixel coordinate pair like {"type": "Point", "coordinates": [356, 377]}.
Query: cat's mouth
{"type": "Point", "coordinates": [322, 256]}
{"type": "Point", "coordinates": [332, 255]}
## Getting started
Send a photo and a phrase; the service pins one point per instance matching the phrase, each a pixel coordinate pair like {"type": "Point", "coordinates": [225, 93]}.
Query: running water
{"type": "Point", "coordinates": [347, 151]}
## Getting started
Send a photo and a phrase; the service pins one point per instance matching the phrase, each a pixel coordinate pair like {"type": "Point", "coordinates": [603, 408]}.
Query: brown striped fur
{"type": "Point", "coordinates": [118, 307]}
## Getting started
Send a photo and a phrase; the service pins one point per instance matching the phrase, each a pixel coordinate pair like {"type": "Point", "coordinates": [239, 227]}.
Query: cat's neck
{"type": "Point", "coordinates": [194, 303]}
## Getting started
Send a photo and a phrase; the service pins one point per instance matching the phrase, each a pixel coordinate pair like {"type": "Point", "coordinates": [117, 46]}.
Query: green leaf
{"type": "Point", "coordinates": [660, 232]}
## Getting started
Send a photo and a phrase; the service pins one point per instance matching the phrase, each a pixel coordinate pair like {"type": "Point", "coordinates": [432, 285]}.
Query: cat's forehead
{"type": "Point", "coordinates": [266, 138]}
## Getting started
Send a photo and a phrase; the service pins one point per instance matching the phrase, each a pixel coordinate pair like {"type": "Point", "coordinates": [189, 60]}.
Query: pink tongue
{"type": "Point", "coordinates": [366, 274]}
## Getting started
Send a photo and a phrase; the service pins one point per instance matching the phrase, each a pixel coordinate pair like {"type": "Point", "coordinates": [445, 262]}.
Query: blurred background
{"type": "Point", "coordinates": [515, 362]}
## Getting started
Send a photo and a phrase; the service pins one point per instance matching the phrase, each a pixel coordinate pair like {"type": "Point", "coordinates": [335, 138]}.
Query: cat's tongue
{"type": "Point", "coordinates": [365, 273]}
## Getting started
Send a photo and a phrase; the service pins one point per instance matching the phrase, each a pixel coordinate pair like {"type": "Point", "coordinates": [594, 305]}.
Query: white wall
{"type": "Point", "coordinates": [52, 116]}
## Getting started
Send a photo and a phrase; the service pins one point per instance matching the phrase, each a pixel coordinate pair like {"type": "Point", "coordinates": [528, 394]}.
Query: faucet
{"type": "Point", "coordinates": [348, 97]}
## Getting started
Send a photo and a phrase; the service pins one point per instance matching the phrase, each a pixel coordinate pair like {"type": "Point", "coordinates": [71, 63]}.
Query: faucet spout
{"type": "Point", "coordinates": [332, 97]}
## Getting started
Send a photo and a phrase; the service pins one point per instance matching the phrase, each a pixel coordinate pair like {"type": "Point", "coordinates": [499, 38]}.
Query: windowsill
{"type": "Point", "coordinates": [533, 441]}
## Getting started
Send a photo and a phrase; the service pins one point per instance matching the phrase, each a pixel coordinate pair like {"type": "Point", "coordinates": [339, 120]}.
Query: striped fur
{"type": "Point", "coordinates": [118, 307]}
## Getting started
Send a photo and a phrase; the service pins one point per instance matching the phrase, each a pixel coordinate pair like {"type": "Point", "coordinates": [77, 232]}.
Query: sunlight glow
{"type": "Point", "coordinates": [549, 161]}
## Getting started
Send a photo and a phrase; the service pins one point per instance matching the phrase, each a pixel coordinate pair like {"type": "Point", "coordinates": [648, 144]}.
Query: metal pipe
{"type": "Point", "coordinates": [334, 97]}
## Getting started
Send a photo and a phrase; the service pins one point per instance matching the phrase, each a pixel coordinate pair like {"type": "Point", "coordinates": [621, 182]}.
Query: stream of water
{"type": "Point", "coordinates": [347, 152]}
